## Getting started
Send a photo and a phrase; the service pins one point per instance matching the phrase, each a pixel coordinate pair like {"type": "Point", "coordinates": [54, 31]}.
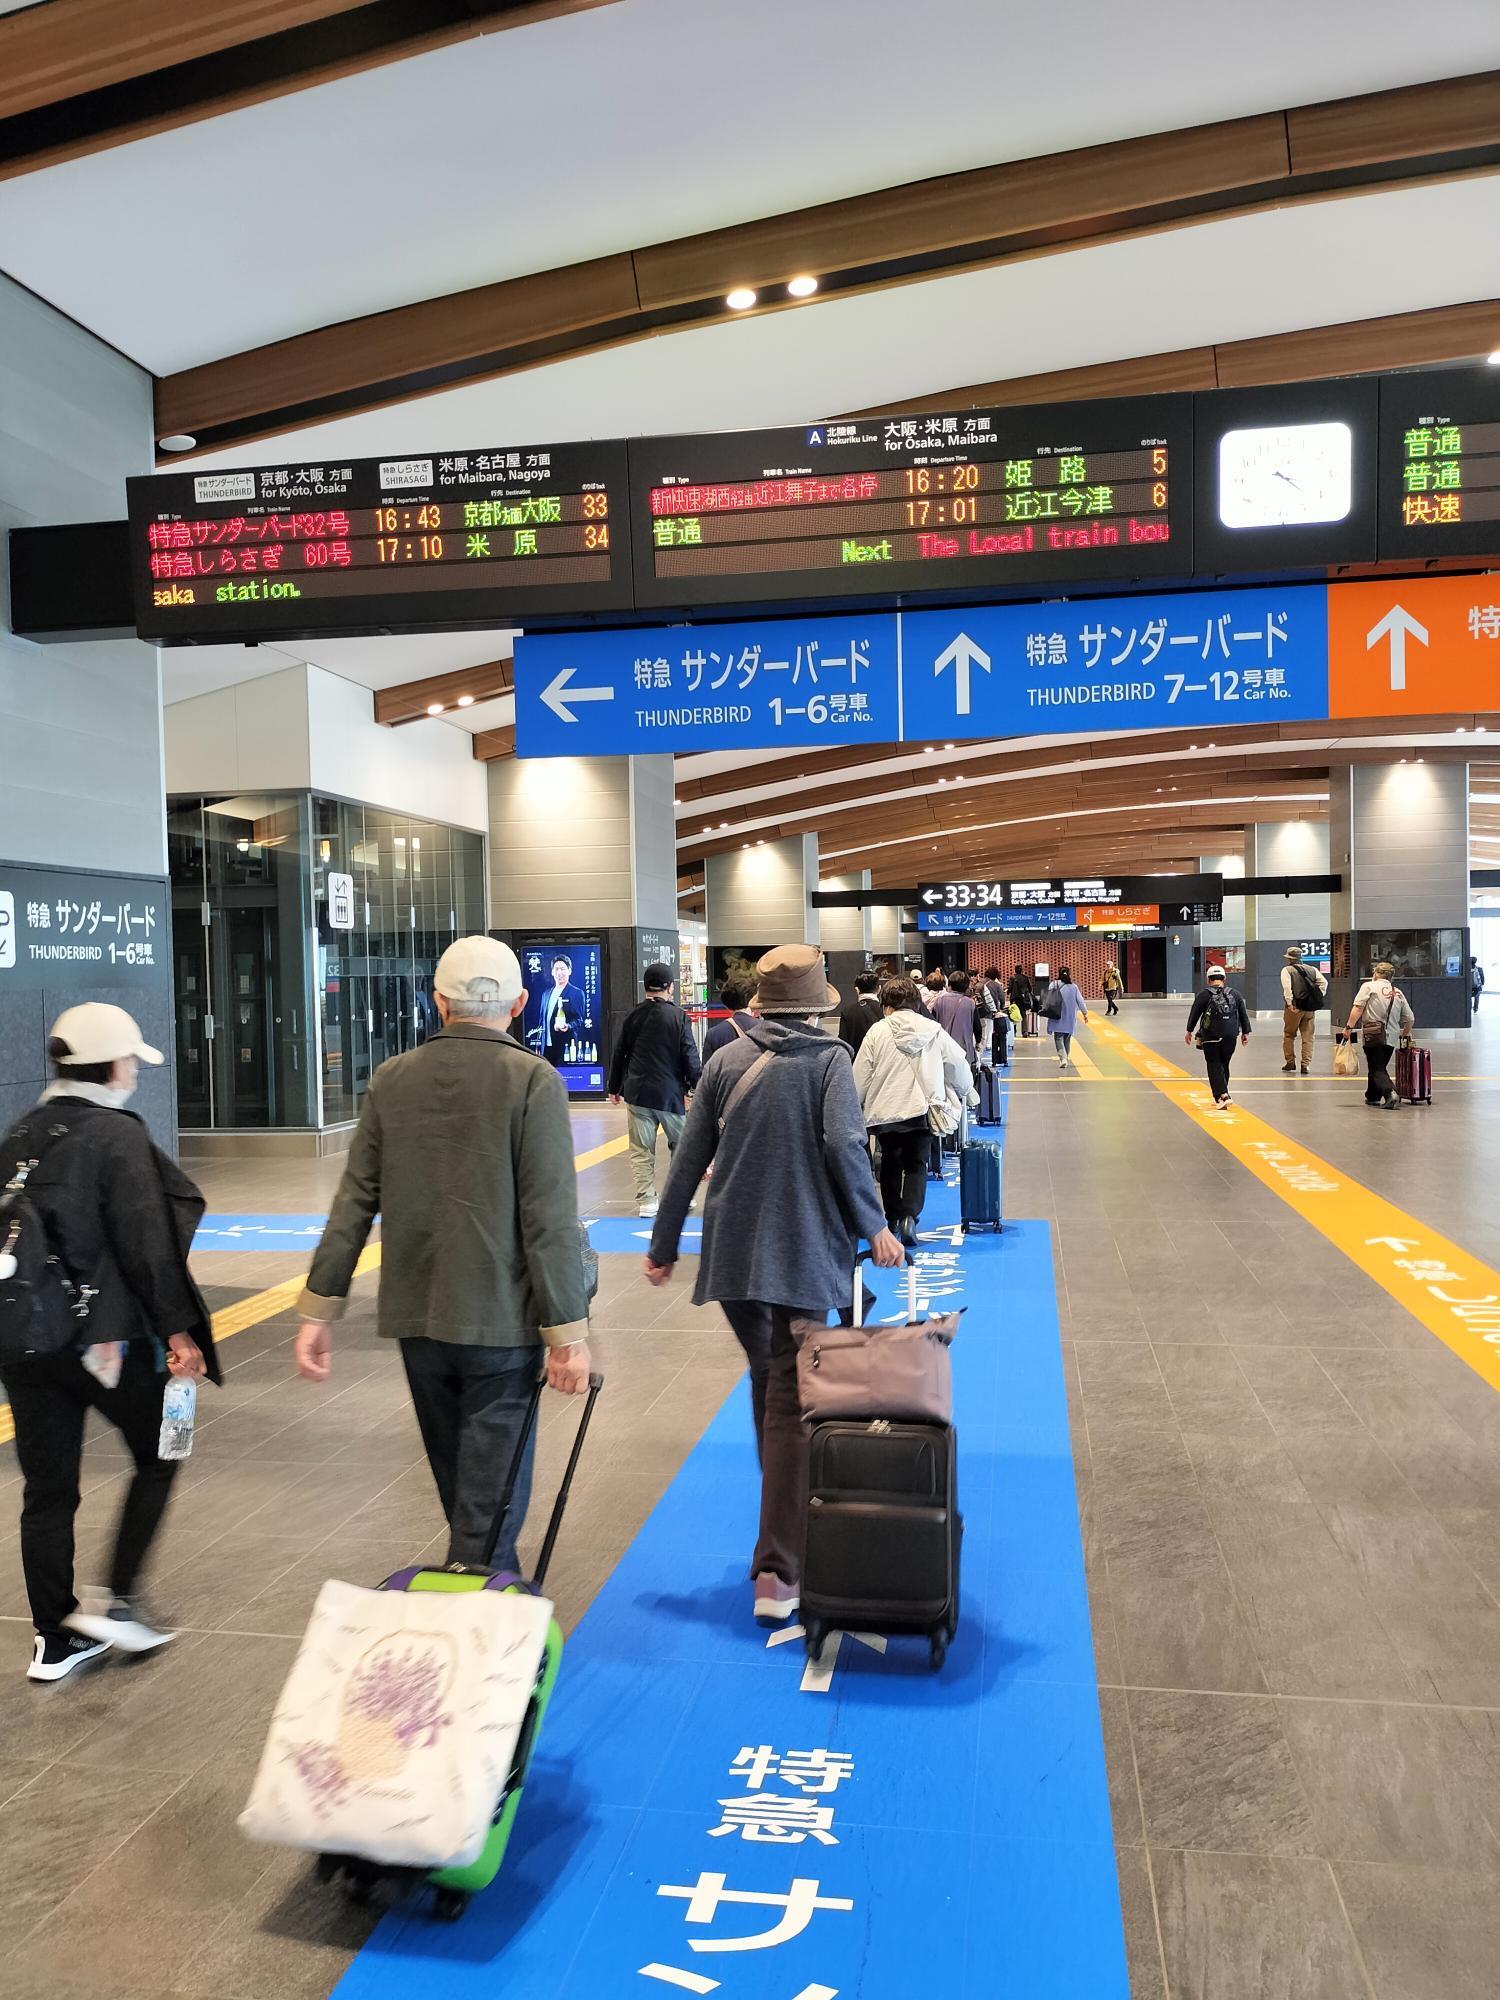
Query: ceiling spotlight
{"type": "Point", "coordinates": [178, 441]}
{"type": "Point", "coordinates": [740, 299]}
{"type": "Point", "coordinates": [803, 288]}
{"type": "Point", "coordinates": [1493, 359]}
{"type": "Point", "coordinates": [466, 701]}
{"type": "Point", "coordinates": [434, 708]}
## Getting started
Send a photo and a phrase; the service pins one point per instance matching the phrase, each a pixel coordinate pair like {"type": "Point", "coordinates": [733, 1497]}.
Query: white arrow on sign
{"type": "Point", "coordinates": [1391, 1243]}
{"type": "Point", "coordinates": [1185, 911]}
{"type": "Point", "coordinates": [961, 656]}
{"type": "Point", "coordinates": [559, 692]}
{"type": "Point", "coordinates": [931, 896]}
{"type": "Point", "coordinates": [1397, 625]}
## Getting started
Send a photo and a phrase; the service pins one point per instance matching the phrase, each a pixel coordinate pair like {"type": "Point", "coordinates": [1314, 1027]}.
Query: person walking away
{"type": "Point", "coordinates": [1065, 1023]}
{"type": "Point", "coordinates": [1218, 1017]}
{"type": "Point", "coordinates": [778, 1117]}
{"type": "Point", "coordinates": [999, 1000]}
{"type": "Point", "coordinates": [653, 1072]}
{"type": "Point", "coordinates": [1020, 993]}
{"type": "Point", "coordinates": [735, 995]}
{"type": "Point", "coordinates": [956, 1012]}
{"type": "Point", "coordinates": [1382, 1014]}
{"type": "Point", "coordinates": [465, 1151]}
{"type": "Point", "coordinates": [934, 986]}
{"type": "Point", "coordinates": [119, 1216]}
{"type": "Point", "coordinates": [1114, 986]}
{"type": "Point", "coordinates": [859, 1015]}
{"type": "Point", "coordinates": [1476, 982]}
{"type": "Point", "coordinates": [907, 1068]}
{"type": "Point", "coordinates": [1302, 990]}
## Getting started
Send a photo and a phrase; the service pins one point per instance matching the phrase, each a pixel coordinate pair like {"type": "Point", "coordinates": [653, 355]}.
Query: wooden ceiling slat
{"type": "Point", "coordinates": [411, 701]}
{"type": "Point", "coordinates": [1052, 191]}
{"type": "Point", "coordinates": [1411, 123]}
{"type": "Point", "coordinates": [492, 744]}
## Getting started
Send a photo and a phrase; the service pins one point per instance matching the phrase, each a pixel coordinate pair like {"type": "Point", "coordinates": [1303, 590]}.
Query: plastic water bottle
{"type": "Point", "coordinates": [178, 1408]}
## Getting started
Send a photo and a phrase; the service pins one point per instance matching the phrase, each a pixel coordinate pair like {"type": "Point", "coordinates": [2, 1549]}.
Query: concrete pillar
{"type": "Point", "coordinates": [587, 847]}
{"type": "Point", "coordinates": [846, 933]}
{"type": "Point", "coordinates": [1282, 847]}
{"type": "Point", "coordinates": [761, 894]}
{"type": "Point", "coordinates": [1232, 930]}
{"type": "Point", "coordinates": [1399, 835]}
{"type": "Point", "coordinates": [885, 932]}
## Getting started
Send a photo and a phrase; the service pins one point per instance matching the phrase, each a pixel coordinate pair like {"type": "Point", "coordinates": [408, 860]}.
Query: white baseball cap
{"type": "Point", "coordinates": [98, 1033]}
{"type": "Point", "coordinates": [481, 970]}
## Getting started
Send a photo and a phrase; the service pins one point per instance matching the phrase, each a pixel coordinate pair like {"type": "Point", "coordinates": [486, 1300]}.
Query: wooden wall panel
{"type": "Point", "coordinates": [1423, 119]}
{"type": "Point", "coordinates": [1053, 191]}
{"type": "Point", "coordinates": [1185, 368]}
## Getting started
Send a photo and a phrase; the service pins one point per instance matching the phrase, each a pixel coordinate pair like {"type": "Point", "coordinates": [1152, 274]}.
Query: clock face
{"type": "Point", "coordinates": [1285, 475]}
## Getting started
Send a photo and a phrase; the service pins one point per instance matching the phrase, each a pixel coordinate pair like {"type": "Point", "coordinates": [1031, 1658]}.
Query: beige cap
{"type": "Point", "coordinates": [480, 970]}
{"type": "Point", "coordinates": [98, 1033]}
{"type": "Point", "coordinates": [792, 981]}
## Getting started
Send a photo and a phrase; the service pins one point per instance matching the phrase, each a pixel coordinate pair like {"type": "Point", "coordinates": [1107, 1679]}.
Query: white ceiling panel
{"type": "Point", "coordinates": [644, 121]}
{"type": "Point", "coordinates": [373, 663]}
{"type": "Point", "coordinates": [1304, 265]}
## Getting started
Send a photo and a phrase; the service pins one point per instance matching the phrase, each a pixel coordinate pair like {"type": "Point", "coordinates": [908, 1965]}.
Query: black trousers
{"type": "Point", "coordinates": [903, 1169]}
{"type": "Point", "coordinates": [1378, 1085]}
{"type": "Point", "coordinates": [1217, 1057]}
{"type": "Point", "coordinates": [471, 1403]}
{"type": "Point", "coordinates": [1109, 1003]}
{"type": "Point", "coordinates": [50, 1397]}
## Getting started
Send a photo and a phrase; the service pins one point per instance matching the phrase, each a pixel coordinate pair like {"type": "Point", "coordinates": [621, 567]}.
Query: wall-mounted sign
{"type": "Point", "coordinates": [340, 902]}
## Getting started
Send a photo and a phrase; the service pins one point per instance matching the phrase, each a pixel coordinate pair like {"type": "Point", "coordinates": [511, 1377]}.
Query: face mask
{"type": "Point", "coordinates": [116, 1097]}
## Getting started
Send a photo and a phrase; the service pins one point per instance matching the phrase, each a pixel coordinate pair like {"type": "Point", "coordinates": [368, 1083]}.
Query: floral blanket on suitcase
{"type": "Point", "coordinates": [397, 1726]}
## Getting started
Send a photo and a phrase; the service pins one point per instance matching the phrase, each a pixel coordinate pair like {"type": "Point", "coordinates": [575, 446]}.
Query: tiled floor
{"type": "Point", "coordinates": [1290, 1493]}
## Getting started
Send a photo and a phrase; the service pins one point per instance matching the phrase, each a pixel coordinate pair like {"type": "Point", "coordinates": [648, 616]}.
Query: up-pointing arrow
{"type": "Point", "coordinates": [1397, 625]}
{"type": "Point", "coordinates": [961, 655]}
{"type": "Point", "coordinates": [559, 692]}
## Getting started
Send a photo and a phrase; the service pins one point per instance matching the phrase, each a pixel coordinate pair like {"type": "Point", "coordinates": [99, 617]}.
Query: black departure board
{"type": "Point", "coordinates": [881, 506]}
{"type": "Point", "coordinates": [400, 544]}
{"type": "Point", "coordinates": [1440, 464]}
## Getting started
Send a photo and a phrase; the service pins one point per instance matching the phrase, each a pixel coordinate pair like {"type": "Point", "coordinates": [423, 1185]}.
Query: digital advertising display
{"type": "Point", "coordinates": [461, 539]}
{"type": "Point", "coordinates": [976, 499]}
{"type": "Point", "coordinates": [1440, 464]}
{"type": "Point", "coordinates": [564, 1017]}
{"type": "Point", "coordinates": [1285, 476]}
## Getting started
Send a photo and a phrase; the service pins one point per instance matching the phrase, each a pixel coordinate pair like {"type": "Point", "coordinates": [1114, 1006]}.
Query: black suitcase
{"type": "Point", "coordinates": [883, 1533]}
{"type": "Point", "coordinates": [989, 1098]}
{"type": "Point", "coordinates": [979, 1186]}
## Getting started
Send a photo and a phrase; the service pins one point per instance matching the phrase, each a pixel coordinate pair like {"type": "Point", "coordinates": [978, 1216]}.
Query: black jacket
{"type": "Point", "coordinates": [1020, 993]}
{"type": "Point", "coordinates": [121, 1215]}
{"type": "Point", "coordinates": [1237, 1021]}
{"type": "Point", "coordinates": [857, 1017]}
{"type": "Point", "coordinates": [656, 1058]}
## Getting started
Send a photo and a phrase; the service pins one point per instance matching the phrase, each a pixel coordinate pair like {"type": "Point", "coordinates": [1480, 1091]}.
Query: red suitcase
{"type": "Point", "coordinates": [1414, 1074]}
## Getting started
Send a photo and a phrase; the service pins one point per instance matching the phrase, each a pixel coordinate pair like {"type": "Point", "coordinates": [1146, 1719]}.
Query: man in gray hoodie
{"type": "Point", "coordinates": [778, 1118]}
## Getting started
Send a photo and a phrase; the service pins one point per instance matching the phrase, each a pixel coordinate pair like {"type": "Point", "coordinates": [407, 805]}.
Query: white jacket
{"type": "Point", "coordinates": [907, 1062]}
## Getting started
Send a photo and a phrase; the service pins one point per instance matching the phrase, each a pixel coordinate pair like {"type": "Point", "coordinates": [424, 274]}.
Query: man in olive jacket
{"type": "Point", "coordinates": [465, 1151]}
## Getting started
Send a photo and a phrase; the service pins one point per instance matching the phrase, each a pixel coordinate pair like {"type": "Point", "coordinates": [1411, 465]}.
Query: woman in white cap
{"type": "Point", "coordinates": [115, 1314]}
{"type": "Point", "coordinates": [1219, 1017]}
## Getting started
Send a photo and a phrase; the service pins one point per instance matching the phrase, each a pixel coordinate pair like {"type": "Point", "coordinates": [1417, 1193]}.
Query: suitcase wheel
{"type": "Point", "coordinates": [448, 1905]}
{"type": "Point", "coordinates": [939, 1650]}
{"type": "Point", "coordinates": [815, 1635]}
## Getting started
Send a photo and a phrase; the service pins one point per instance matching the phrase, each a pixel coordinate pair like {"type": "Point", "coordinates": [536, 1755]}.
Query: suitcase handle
{"type": "Point", "coordinates": [859, 1290]}
{"type": "Point", "coordinates": [554, 1525]}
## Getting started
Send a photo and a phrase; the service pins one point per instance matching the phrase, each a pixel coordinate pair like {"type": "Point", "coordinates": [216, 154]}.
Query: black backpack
{"type": "Point", "coordinates": [44, 1308]}
{"type": "Point", "coordinates": [1307, 995]}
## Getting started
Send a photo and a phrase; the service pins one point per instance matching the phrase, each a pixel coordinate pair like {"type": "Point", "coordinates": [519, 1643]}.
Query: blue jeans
{"type": "Point", "coordinates": [471, 1403]}
{"type": "Point", "coordinates": [1064, 1044]}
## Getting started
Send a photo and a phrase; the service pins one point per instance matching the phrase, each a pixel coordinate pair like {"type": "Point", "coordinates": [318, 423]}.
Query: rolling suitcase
{"type": "Point", "coordinates": [452, 1887]}
{"type": "Point", "coordinates": [883, 1533]}
{"type": "Point", "coordinates": [979, 1187]}
{"type": "Point", "coordinates": [989, 1098]}
{"type": "Point", "coordinates": [1414, 1074]}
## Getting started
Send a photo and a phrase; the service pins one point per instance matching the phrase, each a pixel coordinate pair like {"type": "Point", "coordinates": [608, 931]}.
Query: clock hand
{"type": "Point", "coordinates": [1279, 474]}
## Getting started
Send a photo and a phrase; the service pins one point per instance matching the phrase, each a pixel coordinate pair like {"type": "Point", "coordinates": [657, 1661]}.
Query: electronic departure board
{"type": "Point", "coordinates": [1440, 464]}
{"type": "Point", "coordinates": [879, 506]}
{"type": "Point", "coordinates": [460, 539]}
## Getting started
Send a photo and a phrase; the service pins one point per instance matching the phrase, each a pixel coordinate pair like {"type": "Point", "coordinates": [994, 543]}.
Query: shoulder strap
{"type": "Point", "coordinates": [739, 1031]}
{"type": "Point", "coordinates": [742, 1084]}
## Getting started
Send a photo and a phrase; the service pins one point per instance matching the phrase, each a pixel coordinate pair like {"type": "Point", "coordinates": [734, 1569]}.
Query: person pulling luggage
{"type": "Point", "coordinates": [1382, 1014]}
{"type": "Point", "coordinates": [1219, 1017]}
{"type": "Point", "coordinates": [777, 1117]}
{"type": "Point", "coordinates": [119, 1216]}
{"type": "Point", "coordinates": [912, 1079]}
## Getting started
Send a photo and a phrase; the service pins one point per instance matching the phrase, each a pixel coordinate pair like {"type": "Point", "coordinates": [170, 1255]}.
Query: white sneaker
{"type": "Point", "coordinates": [647, 1208]}
{"type": "Point", "coordinates": [53, 1659]}
{"type": "Point", "coordinates": [117, 1622]}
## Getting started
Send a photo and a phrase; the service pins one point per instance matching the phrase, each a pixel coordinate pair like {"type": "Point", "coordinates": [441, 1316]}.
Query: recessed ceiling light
{"type": "Point", "coordinates": [434, 708]}
{"type": "Point", "coordinates": [740, 299]}
{"type": "Point", "coordinates": [801, 288]}
{"type": "Point", "coordinates": [1494, 359]}
{"type": "Point", "coordinates": [466, 701]}
{"type": "Point", "coordinates": [178, 441]}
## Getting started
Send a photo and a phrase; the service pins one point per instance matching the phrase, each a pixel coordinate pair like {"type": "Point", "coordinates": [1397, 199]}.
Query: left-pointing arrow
{"type": "Point", "coordinates": [559, 692]}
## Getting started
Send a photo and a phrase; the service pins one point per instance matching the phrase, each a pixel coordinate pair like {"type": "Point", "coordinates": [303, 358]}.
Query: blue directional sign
{"type": "Point", "coordinates": [762, 686]}
{"type": "Point", "coordinates": [1196, 659]}
{"type": "Point", "coordinates": [949, 923]}
{"type": "Point", "coordinates": [1181, 662]}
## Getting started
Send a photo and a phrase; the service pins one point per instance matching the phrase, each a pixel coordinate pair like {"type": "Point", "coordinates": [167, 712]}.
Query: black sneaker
{"type": "Point", "coordinates": [53, 1658]}
{"type": "Point", "coordinates": [1290, 1069]}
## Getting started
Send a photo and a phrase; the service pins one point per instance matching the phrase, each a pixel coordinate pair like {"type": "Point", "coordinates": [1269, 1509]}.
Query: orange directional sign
{"type": "Point", "coordinates": [1414, 648]}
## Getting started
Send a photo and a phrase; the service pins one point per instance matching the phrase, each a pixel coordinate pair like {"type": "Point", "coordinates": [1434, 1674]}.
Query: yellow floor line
{"type": "Point", "coordinates": [1449, 1290]}
{"type": "Point", "coordinates": [261, 1306]}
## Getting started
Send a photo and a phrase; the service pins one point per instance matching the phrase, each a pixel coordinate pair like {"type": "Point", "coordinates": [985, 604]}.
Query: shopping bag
{"type": "Point", "coordinates": [1345, 1059]}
